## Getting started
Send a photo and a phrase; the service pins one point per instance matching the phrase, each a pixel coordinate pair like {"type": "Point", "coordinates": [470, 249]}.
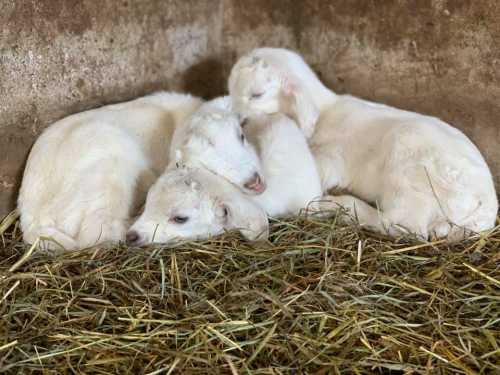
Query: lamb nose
{"type": "Point", "coordinates": [132, 237]}
{"type": "Point", "coordinates": [256, 184]}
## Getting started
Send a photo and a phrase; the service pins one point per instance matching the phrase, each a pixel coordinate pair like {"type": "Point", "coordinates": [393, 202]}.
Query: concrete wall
{"type": "Point", "coordinates": [441, 57]}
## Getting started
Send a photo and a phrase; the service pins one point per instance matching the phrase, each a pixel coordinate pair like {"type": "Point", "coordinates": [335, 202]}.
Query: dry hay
{"type": "Point", "coordinates": [318, 298]}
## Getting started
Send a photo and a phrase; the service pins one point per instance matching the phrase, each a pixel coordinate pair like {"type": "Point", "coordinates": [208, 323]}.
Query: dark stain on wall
{"type": "Point", "coordinates": [203, 79]}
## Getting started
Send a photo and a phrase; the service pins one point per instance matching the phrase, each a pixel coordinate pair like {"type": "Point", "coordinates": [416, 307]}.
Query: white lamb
{"type": "Point", "coordinates": [423, 175]}
{"type": "Point", "coordinates": [209, 160]}
{"type": "Point", "coordinates": [212, 138]}
{"type": "Point", "coordinates": [290, 177]}
{"type": "Point", "coordinates": [178, 207]}
{"type": "Point", "coordinates": [192, 203]}
{"type": "Point", "coordinates": [87, 173]}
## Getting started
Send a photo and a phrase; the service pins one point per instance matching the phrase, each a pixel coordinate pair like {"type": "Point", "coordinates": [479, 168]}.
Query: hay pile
{"type": "Point", "coordinates": [318, 298]}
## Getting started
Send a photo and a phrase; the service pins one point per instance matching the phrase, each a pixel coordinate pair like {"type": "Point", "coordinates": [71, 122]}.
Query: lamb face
{"type": "Point", "coordinates": [193, 204]}
{"type": "Point", "coordinates": [255, 87]}
{"type": "Point", "coordinates": [270, 80]}
{"type": "Point", "coordinates": [214, 140]}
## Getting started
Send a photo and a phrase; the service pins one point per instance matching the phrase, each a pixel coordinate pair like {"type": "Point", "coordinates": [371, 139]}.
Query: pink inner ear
{"type": "Point", "coordinates": [289, 87]}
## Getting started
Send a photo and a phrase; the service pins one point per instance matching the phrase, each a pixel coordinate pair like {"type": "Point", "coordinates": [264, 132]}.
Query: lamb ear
{"type": "Point", "coordinates": [246, 216]}
{"type": "Point", "coordinates": [300, 105]}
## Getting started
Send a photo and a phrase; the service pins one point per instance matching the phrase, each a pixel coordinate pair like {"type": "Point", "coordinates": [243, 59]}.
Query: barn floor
{"type": "Point", "coordinates": [319, 298]}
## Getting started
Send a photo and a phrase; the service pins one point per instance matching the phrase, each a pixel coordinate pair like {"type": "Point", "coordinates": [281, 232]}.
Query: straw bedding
{"type": "Point", "coordinates": [318, 298]}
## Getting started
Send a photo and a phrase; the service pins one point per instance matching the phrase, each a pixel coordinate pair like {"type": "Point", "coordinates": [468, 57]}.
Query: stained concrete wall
{"type": "Point", "coordinates": [57, 57]}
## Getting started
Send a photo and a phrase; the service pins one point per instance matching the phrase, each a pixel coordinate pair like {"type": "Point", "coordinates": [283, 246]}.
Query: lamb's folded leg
{"type": "Point", "coordinates": [357, 211]}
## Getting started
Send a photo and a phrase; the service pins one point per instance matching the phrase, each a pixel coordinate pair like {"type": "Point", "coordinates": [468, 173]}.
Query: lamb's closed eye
{"type": "Point", "coordinates": [178, 219]}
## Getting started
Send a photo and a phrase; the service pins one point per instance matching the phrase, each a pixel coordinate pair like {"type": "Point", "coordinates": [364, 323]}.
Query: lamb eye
{"type": "Point", "coordinates": [180, 219]}
{"type": "Point", "coordinates": [225, 212]}
{"type": "Point", "coordinates": [257, 96]}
